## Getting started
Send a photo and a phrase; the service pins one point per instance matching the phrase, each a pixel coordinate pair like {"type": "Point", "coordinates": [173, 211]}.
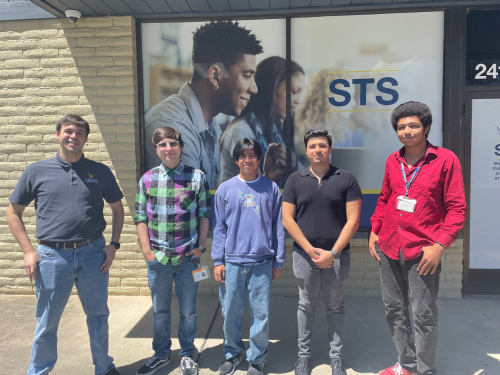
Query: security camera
{"type": "Point", "coordinates": [73, 15]}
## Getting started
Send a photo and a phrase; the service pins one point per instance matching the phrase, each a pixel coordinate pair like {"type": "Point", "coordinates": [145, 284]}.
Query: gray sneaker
{"type": "Point", "coordinates": [303, 366]}
{"type": "Point", "coordinates": [255, 369]}
{"type": "Point", "coordinates": [188, 366]}
{"type": "Point", "coordinates": [229, 365]}
{"type": "Point", "coordinates": [337, 366]}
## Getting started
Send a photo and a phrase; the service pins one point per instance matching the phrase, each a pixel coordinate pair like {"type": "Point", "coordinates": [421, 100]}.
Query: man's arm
{"type": "Point", "coordinates": [288, 213]}
{"type": "Point", "coordinates": [219, 237]}
{"type": "Point", "coordinates": [116, 231]}
{"type": "Point", "coordinates": [202, 237]}
{"type": "Point", "coordinates": [204, 212]}
{"type": "Point", "coordinates": [353, 211]}
{"type": "Point", "coordinates": [278, 234]}
{"type": "Point", "coordinates": [142, 232]}
{"type": "Point", "coordinates": [16, 226]}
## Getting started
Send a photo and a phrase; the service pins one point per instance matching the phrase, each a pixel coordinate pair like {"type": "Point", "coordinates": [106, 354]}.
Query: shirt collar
{"type": "Point", "coordinates": [194, 107]}
{"type": "Point", "coordinates": [63, 163]}
{"type": "Point", "coordinates": [307, 172]}
{"type": "Point", "coordinates": [177, 170]}
{"type": "Point", "coordinates": [431, 149]}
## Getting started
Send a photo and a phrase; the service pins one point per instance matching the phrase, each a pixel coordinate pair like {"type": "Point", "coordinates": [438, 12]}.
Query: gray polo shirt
{"type": "Point", "coordinates": [68, 197]}
{"type": "Point", "coordinates": [321, 208]}
{"type": "Point", "coordinates": [183, 112]}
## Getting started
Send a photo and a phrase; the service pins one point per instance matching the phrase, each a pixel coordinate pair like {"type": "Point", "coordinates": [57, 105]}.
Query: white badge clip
{"type": "Point", "coordinates": [201, 273]}
{"type": "Point", "coordinates": [406, 204]}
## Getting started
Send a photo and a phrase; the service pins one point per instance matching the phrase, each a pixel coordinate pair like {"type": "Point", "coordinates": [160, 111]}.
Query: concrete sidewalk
{"type": "Point", "coordinates": [469, 342]}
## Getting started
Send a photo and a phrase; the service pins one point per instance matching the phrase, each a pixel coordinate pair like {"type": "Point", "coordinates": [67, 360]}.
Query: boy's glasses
{"type": "Point", "coordinates": [172, 144]}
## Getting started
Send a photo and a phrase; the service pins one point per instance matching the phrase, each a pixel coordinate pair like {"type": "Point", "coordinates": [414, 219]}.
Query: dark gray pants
{"type": "Point", "coordinates": [401, 285]}
{"type": "Point", "coordinates": [313, 281]}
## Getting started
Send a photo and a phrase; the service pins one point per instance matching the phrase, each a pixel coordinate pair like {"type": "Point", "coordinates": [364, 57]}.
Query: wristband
{"type": "Point", "coordinates": [440, 244]}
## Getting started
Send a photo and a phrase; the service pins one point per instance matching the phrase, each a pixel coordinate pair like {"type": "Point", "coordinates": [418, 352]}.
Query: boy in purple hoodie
{"type": "Point", "coordinates": [248, 250]}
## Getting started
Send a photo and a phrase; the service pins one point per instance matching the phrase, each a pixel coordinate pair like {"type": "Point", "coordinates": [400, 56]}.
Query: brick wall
{"type": "Point", "coordinates": [50, 68]}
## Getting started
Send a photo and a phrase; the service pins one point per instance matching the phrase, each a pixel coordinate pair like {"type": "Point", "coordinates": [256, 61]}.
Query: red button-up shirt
{"type": "Point", "coordinates": [440, 210]}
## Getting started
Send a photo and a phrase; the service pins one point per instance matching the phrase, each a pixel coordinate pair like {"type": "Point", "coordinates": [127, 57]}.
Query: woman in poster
{"type": "Point", "coordinates": [263, 119]}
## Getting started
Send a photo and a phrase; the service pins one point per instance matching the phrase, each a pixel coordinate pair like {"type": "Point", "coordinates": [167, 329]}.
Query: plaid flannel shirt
{"type": "Point", "coordinates": [170, 202]}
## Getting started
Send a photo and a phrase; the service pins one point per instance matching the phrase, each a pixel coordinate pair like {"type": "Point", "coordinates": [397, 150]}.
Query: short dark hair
{"type": "Point", "coordinates": [222, 42]}
{"type": "Point", "coordinates": [315, 133]}
{"type": "Point", "coordinates": [73, 120]}
{"type": "Point", "coordinates": [408, 109]}
{"type": "Point", "coordinates": [166, 132]}
{"type": "Point", "coordinates": [245, 144]}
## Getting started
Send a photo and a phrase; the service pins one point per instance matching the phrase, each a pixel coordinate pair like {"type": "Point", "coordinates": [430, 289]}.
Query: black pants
{"type": "Point", "coordinates": [402, 284]}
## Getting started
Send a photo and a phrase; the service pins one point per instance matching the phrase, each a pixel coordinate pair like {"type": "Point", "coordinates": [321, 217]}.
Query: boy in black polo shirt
{"type": "Point", "coordinates": [321, 210]}
{"type": "Point", "coordinates": [68, 191]}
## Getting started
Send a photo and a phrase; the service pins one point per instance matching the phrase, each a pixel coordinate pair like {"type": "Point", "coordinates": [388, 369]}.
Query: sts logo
{"type": "Point", "coordinates": [363, 82]}
{"type": "Point", "coordinates": [91, 179]}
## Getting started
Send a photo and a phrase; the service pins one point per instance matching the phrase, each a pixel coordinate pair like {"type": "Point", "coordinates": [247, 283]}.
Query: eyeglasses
{"type": "Point", "coordinates": [172, 144]}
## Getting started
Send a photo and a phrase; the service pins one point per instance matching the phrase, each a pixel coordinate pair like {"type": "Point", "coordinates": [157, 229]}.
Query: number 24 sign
{"type": "Point", "coordinates": [492, 71]}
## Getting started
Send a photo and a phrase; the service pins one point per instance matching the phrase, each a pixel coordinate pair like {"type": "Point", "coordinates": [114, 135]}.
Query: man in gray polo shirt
{"type": "Point", "coordinates": [68, 191]}
{"type": "Point", "coordinates": [321, 210]}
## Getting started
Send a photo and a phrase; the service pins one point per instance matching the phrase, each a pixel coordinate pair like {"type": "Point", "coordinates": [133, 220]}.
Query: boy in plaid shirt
{"type": "Point", "coordinates": [172, 207]}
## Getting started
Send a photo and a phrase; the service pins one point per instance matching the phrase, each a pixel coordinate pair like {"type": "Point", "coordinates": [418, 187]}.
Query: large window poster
{"type": "Point", "coordinates": [357, 70]}
{"type": "Point", "coordinates": [248, 99]}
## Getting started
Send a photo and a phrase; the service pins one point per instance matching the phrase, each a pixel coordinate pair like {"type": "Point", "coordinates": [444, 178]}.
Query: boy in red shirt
{"type": "Point", "coordinates": [419, 212]}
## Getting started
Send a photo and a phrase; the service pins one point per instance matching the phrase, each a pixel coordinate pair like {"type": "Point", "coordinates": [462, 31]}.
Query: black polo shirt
{"type": "Point", "coordinates": [68, 197]}
{"type": "Point", "coordinates": [321, 207]}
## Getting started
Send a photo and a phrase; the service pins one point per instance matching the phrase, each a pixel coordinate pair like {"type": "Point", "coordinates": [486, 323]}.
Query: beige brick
{"type": "Point", "coordinates": [373, 294]}
{"type": "Point", "coordinates": [80, 110]}
{"type": "Point", "coordinates": [77, 72]}
{"type": "Point", "coordinates": [12, 111]}
{"type": "Point", "coordinates": [57, 23]}
{"type": "Point", "coordinates": [26, 120]}
{"type": "Point", "coordinates": [6, 281]}
{"type": "Point", "coordinates": [95, 22]}
{"type": "Point", "coordinates": [453, 257]}
{"type": "Point", "coordinates": [139, 282]}
{"type": "Point", "coordinates": [126, 138]}
{"type": "Point", "coordinates": [15, 175]}
{"type": "Point", "coordinates": [23, 83]}
{"type": "Point", "coordinates": [453, 276]}
{"type": "Point", "coordinates": [123, 41]}
{"type": "Point", "coordinates": [41, 129]}
{"type": "Point", "coordinates": [121, 291]}
{"type": "Point", "coordinates": [59, 82]}
{"type": "Point", "coordinates": [111, 90]}
{"type": "Point", "coordinates": [452, 267]}
{"type": "Point", "coordinates": [76, 91]}
{"type": "Point", "coordinates": [39, 34]}
{"type": "Point", "coordinates": [124, 81]}
{"type": "Point", "coordinates": [42, 91]}
{"type": "Point", "coordinates": [455, 294]}
{"type": "Point", "coordinates": [41, 72]}
{"type": "Point", "coordinates": [60, 61]}
{"type": "Point", "coordinates": [118, 129]}
{"type": "Point", "coordinates": [11, 93]}
{"type": "Point", "coordinates": [95, 61]}
{"type": "Point", "coordinates": [115, 110]}
{"type": "Point", "coordinates": [19, 139]}
{"type": "Point", "coordinates": [99, 100]}
{"type": "Point", "coordinates": [7, 55]}
{"type": "Point", "coordinates": [145, 291]}
{"type": "Point", "coordinates": [44, 147]}
{"type": "Point", "coordinates": [102, 120]}
{"type": "Point", "coordinates": [31, 157]}
{"type": "Point", "coordinates": [22, 290]}
{"type": "Point", "coordinates": [123, 21]}
{"type": "Point", "coordinates": [39, 53]}
{"type": "Point", "coordinates": [77, 52]}
{"type": "Point", "coordinates": [7, 184]}
{"type": "Point", "coordinates": [12, 45]}
{"type": "Point", "coordinates": [354, 293]}
{"type": "Point", "coordinates": [116, 71]}
{"type": "Point", "coordinates": [58, 43]}
{"type": "Point", "coordinates": [12, 73]}
{"type": "Point", "coordinates": [123, 60]}
{"type": "Point", "coordinates": [97, 81]}
{"type": "Point", "coordinates": [95, 42]}
{"type": "Point", "coordinates": [21, 25]}
{"type": "Point", "coordinates": [114, 51]}
{"type": "Point", "coordinates": [60, 100]}
{"type": "Point", "coordinates": [23, 101]}
{"type": "Point", "coordinates": [40, 111]}
{"type": "Point", "coordinates": [12, 129]}
{"type": "Point", "coordinates": [77, 33]}
{"type": "Point", "coordinates": [114, 31]}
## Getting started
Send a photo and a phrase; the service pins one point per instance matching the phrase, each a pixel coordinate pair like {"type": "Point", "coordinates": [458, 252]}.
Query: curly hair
{"type": "Point", "coordinates": [408, 109]}
{"type": "Point", "coordinates": [222, 42]}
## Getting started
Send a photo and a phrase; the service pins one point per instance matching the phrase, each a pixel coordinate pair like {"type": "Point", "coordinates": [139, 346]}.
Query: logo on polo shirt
{"type": "Point", "coordinates": [91, 179]}
{"type": "Point", "coordinates": [249, 201]}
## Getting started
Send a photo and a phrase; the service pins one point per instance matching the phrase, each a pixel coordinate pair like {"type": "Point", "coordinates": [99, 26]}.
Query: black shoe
{"type": "Point", "coordinates": [255, 369]}
{"type": "Point", "coordinates": [188, 366]}
{"type": "Point", "coordinates": [337, 366]}
{"type": "Point", "coordinates": [303, 366]}
{"type": "Point", "coordinates": [152, 365]}
{"type": "Point", "coordinates": [229, 365]}
{"type": "Point", "coordinates": [112, 371]}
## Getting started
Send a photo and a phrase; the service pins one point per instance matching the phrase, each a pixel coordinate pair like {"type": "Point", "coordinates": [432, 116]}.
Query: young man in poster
{"type": "Point", "coordinates": [419, 212]}
{"type": "Point", "coordinates": [69, 192]}
{"type": "Point", "coordinates": [248, 250]}
{"type": "Point", "coordinates": [321, 211]}
{"type": "Point", "coordinates": [172, 208]}
{"type": "Point", "coordinates": [223, 81]}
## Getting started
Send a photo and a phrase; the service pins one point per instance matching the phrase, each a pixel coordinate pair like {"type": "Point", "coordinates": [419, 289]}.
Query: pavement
{"type": "Point", "coordinates": [469, 342]}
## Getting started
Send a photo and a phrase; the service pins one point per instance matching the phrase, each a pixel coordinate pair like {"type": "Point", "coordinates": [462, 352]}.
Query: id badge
{"type": "Point", "coordinates": [406, 204]}
{"type": "Point", "coordinates": [201, 273]}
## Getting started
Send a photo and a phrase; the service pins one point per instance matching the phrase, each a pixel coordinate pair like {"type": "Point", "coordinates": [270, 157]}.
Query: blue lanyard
{"type": "Point", "coordinates": [408, 183]}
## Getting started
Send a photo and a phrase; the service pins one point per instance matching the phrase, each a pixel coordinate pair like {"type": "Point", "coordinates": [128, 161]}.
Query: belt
{"type": "Point", "coordinates": [68, 245]}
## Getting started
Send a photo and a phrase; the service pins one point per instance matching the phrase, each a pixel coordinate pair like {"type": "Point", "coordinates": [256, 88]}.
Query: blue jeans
{"type": "Point", "coordinates": [160, 278]}
{"type": "Point", "coordinates": [256, 280]}
{"type": "Point", "coordinates": [56, 272]}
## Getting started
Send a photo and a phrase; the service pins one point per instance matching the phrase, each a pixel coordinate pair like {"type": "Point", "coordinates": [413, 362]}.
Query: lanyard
{"type": "Point", "coordinates": [408, 183]}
